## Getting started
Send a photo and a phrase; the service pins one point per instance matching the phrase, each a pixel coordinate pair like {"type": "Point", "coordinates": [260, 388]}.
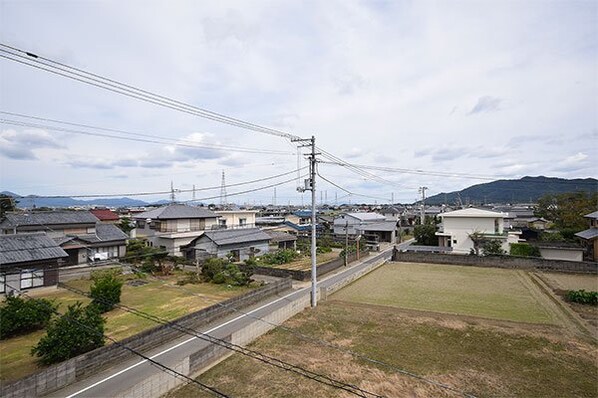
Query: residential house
{"type": "Point", "coordinates": [240, 243]}
{"type": "Point", "coordinates": [173, 226]}
{"type": "Point", "coordinates": [106, 216]}
{"type": "Point", "coordinates": [590, 237]}
{"type": "Point", "coordinates": [458, 226]}
{"type": "Point", "coordinates": [29, 260]}
{"type": "Point", "coordinates": [236, 218]}
{"type": "Point", "coordinates": [79, 233]}
{"type": "Point", "coordinates": [539, 224]}
{"type": "Point", "coordinates": [351, 223]}
{"type": "Point", "coordinates": [392, 213]}
{"type": "Point", "coordinates": [282, 240]}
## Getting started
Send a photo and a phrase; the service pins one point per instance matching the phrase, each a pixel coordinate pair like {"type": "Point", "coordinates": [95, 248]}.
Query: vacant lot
{"type": "Point", "coordinates": [487, 332]}
{"type": "Point", "coordinates": [479, 356]}
{"type": "Point", "coordinates": [157, 297]}
{"type": "Point", "coordinates": [485, 292]}
{"type": "Point", "coordinates": [571, 281]}
{"type": "Point", "coordinates": [304, 263]}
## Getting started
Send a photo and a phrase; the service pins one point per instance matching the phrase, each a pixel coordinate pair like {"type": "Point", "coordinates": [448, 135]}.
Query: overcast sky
{"type": "Point", "coordinates": [490, 88]}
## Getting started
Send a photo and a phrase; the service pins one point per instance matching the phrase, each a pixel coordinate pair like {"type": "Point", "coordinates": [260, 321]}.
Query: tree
{"type": "Point", "coordinates": [126, 225]}
{"type": "Point", "coordinates": [7, 203]}
{"type": "Point", "coordinates": [106, 289]}
{"type": "Point", "coordinates": [79, 330]}
{"type": "Point", "coordinates": [492, 247]}
{"type": "Point", "coordinates": [219, 270]}
{"type": "Point", "coordinates": [566, 210]}
{"type": "Point", "coordinates": [425, 234]}
{"type": "Point", "coordinates": [20, 316]}
{"type": "Point", "coordinates": [524, 250]}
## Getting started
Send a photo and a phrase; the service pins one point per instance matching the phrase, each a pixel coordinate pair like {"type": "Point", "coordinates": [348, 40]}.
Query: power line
{"type": "Point", "coordinates": [321, 342]}
{"type": "Point", "coordinates": [152, 361]}
{"type": "Point", "coordinates": [174, 142]}
{"type": "Point", "coordinates": [55, 67]}
{"type": "Point", "coordinates": [158, 192]}
{"type": "Point", "coordinates": [168, 139]}
{"type": "Point", "coordinates": [349, 192]}
{"type": "Point", "coordinates": [320, 378]}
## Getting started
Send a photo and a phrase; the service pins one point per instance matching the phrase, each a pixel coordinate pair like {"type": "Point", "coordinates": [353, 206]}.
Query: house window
{"type": "Point", "coordinates": [31, 278]}
{"type": "Point", "coordinates": [140, 224]}
{"type": "Point", "coordinates": [242, 222]}
{"type": "Point", "coordinates": [455, 241]}
{"type": "Point", "coordinates": [496, 225]}
{"type": "Point", "coordinates": [222, 223]}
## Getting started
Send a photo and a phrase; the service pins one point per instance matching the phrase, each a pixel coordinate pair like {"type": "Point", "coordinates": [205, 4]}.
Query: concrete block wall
{"type": "Point", "coordinates": [65, 373]}
{"type": "Point", "coordinates": [529, 263]}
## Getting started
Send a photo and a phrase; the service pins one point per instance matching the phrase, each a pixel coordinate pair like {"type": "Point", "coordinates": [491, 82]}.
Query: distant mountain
{"type": "Point", "coordinates": [526, 189]}
{"type": "Point", "coordinates": [31, 201]}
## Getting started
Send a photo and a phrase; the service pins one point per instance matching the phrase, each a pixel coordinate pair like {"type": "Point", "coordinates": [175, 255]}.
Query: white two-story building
{"type": "Point", "coordinates": [458, 226]}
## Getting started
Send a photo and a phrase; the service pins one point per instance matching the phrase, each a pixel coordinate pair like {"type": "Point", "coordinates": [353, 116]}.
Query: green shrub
{"type": "Point", "coordinates": [582, 297]}
{"type": "Point", "coordinates": [425, 235]}
{"type": "Point", "coordinates": [106, 289]}
{"type": "Point", "coordinates": [79, 330]}
{"type": "Point", "coordinates": [218, 270]}
{"type": "Point", "coordinates": [19, 316]}
{"type": "Point", "coordinates": [351, 249]}
{"type": "Point", "coordinates": [492, 247]}
{"type": "Point", "coordinates": [279, 257]}
{"type": "Point", "coordinates": [524, 250]}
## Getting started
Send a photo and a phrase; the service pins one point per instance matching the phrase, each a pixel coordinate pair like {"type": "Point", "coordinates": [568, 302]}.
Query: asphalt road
{"type": "Point", "coordinates": [120, 378]}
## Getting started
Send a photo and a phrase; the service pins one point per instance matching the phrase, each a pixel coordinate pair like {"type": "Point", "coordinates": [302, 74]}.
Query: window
{"type": "Point", "coordinates": [140, 224]}
{"type": "Point", "coordinates": [2, 283]}
{"type": "Point", "coordinates": [222, 223]}
{"type": "Point", "coordinates": [32, 278]}
{"type": "Point", "coordinates": [496, 225]}
{"type": "Point", "coordinates": [455, 241]}
{"type": "Point", "coordinates": [242, 222]}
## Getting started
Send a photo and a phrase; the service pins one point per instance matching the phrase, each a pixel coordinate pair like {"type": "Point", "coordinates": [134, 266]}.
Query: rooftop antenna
{"type": "Point", "coordinates": [172, 195]}
{"type": "Point", "coordinates": [223, 191]}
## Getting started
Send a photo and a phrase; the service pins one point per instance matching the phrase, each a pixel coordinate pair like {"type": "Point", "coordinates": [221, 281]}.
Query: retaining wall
{"type": "Point", "coordinates": [299, 275]}
{"type": "Point", "coordinates": [65, 373]}
{"type": "Point", "coordinates": [530, 263]}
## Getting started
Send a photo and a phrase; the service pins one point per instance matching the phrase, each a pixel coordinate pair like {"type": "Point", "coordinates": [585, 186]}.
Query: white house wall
{"type": "Point", "coordinates": [461, 227]}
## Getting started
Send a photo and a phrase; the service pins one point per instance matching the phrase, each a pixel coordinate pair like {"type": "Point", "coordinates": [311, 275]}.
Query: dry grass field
{"type": "Point", "coordinates": [487, 332]}
{"type": "Point", "coordinates": [161, 298]}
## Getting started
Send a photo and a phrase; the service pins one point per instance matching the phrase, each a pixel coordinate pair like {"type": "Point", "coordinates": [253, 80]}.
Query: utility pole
{"type": "Point", "coordinates": [346, 243]}
{"type": "Point", "coordinates": [223, 199]}
{"type": "Point", "coordinates": [310, 185]}
{"type": "Point", "coordinates": [422, 190]}
{"type": "Point", "coordinates": [194, 192]}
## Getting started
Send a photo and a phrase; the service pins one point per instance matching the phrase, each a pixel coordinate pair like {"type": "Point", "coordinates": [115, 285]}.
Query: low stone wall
{"type": "Point", "coordinates": [498, 262]}
{"type": "Point", "coordinates": [82, 271]}
{"type": "Point", "coordinates": [298, 275]}
{"type": "Point", "coordinates": [67, 372]}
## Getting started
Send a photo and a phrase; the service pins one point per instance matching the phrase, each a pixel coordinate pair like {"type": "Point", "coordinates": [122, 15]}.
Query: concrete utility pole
{"type": "Point", "coordinates": [310, 185]}
{"type": "Point", "coordinates": [346, 243]}
{"type": "Point", "coordinates": [422, 190]}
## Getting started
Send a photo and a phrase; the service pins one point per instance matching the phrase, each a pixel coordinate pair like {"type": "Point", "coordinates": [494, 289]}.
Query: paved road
{"type": "Point", "coordinates": [120, 378]}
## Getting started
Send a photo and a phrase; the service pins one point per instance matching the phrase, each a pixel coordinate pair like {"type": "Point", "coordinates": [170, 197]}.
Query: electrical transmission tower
{"type": "Point", "coordinates": [223, 199]}
{"type": "Point", "coordinates": [172, 195]}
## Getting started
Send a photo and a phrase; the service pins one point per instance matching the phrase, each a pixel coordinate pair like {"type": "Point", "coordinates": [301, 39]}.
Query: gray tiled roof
{"type": "Point", "coordinates": [380, 226]}
{"type": "Point", "coordinates": [21, 248]}
{"type": "Point", "coordinates": [366, 216]}
{"type": "Point", "coordinates": [278, 236]}
{"type": "Point", "coordinates": [48, 218]}
{"type": "Point", "coordinates": [232, 236]}
{"type": "Point", "coordinates": [104, 233]}
{"type": "Point", "coordinates": [175, 211]}
{"type": "Point", "coordinates": [593, 215]}
{"type": "Point", "coordinates": [588, 234]}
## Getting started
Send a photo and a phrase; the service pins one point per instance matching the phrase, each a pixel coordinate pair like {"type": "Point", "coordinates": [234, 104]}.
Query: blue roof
{"type": "Point", "coordinates": [303, 213]}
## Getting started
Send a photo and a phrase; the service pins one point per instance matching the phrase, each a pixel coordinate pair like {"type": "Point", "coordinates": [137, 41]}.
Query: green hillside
{"type": "Point", "coordinates": [526, 189]}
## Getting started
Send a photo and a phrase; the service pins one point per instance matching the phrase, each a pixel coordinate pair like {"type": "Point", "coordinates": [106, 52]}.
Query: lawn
{"type": "Point", "coordinates": [158, 297]}
{"type": "Point", "coordinates": [473, 356]}
{"type": "Point", "coordinates": [484, 292]}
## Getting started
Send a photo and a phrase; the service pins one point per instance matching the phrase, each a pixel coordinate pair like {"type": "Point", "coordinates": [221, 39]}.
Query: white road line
{"type": "Point", "coordinates": [206, 332]}
{"type": "Point", "coordinates": [181, 343]}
